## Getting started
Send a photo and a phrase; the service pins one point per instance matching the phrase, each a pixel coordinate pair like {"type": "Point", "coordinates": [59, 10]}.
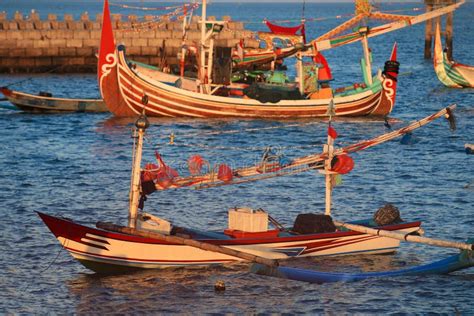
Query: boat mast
{"type": "Point", "coordinates": [300, 72]}
{"type": "Point", "coordinates": [141, 125]}
{"type": "Point", "coordinates": [182, 57]}
{"type": "Point", "coordinates": [206, 51]}
{"type": "Point", "coordinates": [329, 150]}
{"type": "Point", "coordinates": [365, 46]}
{"type": "Point", "coordinates": [202, 48]}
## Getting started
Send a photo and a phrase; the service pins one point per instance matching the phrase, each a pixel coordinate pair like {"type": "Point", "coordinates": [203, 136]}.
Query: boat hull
{"type": "Point", "coordinates": [109, 252]}
{"type": "Point", "coordinates": [128, 92]}
{"type": "Point", "coordinates": [34, 103]}
{"type": "Point", "coordinates": [124, 91]}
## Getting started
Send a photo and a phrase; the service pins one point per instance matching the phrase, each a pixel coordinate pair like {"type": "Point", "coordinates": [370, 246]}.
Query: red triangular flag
{"type": "Point", "coordinates": [332, 132]}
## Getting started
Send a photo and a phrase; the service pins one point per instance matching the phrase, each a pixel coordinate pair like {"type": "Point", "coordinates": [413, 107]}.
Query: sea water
{"type": "Point", "coordinates": [78, 166]}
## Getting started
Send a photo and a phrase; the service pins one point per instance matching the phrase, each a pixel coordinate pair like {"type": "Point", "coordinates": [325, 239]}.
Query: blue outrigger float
{"type": "Point", "coordinates": [461, 261]}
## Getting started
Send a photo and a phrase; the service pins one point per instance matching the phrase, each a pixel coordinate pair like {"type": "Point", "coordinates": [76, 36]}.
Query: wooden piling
{"type": "Point", "coordinates": [429, 33]}
{"type": "Point", "coordinates": [449, 35]}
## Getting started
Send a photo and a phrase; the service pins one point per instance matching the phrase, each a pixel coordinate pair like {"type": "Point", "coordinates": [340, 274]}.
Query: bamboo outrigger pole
{"type": "Point", "coordinates": [141, 125]}
{"type": "Point", "coordinates": [406, 237]}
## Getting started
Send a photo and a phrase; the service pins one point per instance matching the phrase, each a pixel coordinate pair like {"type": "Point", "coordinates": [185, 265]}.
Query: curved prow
{"type": "Point", "coordinates": [107, 72]}
{"type": "Point", "coordinates": [107, 43]}
{"type": "Point", "coordinates": [389, 84]}
{"type": "Point", "coordinates": [439, 61]}
{"type": "Point", "coordinates": [391, 67]}
{"type": "Point", "coordinates": [393, 55]}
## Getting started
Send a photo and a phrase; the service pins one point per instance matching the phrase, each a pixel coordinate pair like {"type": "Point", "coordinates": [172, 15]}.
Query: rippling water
{"type": "Point", "coordinates": [78, 166]}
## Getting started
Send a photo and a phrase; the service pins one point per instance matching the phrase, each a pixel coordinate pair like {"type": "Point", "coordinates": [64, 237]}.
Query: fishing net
{"type": "Point", "coordinates": [387, 214]}
{"type": "Point", "coordinates": [313, 223]}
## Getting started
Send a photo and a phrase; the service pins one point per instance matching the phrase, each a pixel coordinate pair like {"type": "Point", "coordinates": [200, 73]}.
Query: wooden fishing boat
{"type": "Point", "coordinates": [151, 242]}
{"type": "Point", "coordinates": [128, 92]}
{"type": "Point", "coordinates": [452, 74]}
{"type": "Point", "coordinates": [45, 102]}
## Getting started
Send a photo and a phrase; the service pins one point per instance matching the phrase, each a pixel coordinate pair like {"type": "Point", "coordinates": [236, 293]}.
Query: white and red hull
{"type": "Point", "coordinates": [127, 91]}
{"type": "Point", "coordinates": [104, 251]}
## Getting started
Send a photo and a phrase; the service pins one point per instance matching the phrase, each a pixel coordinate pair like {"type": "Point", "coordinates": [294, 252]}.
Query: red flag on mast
{"type": "Point", "coordinates": [284, 30]}
{"type": "Point", "coordinates": [332, 132]}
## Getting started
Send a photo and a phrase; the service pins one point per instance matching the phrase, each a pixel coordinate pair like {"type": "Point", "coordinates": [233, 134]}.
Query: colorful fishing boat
{"type": "Point", "coordinates": [128, 92]}
{"type": "Point", "coordinates": [45, 102]}
{"type": "Point", "coordinates": [152, 242]}
{"type": "Point", "coordinates": [452, 74]}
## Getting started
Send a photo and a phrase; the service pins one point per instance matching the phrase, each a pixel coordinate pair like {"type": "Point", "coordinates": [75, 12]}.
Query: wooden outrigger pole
{"type": "Point", "coordinates": [406, 237]}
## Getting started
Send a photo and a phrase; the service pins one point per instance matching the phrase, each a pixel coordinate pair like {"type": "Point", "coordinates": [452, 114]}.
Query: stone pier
{"type": "Point", "coordinates": [32, 44]}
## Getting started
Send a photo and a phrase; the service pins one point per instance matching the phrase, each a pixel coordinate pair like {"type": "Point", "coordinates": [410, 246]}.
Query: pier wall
{"type": "Point", "coordinates": [32, 44]}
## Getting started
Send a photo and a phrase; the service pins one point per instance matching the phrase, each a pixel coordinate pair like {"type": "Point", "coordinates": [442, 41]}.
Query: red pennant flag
{"type": "Point", "coordinates": [332, 132]}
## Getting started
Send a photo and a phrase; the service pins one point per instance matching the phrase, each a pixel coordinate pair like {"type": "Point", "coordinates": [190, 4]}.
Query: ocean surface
{"type": "Point", "coordinates": [78, 166]}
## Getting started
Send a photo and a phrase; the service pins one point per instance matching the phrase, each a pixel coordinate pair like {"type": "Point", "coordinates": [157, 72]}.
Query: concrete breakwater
{"type": "Point", "coordinates": [31, 44]}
